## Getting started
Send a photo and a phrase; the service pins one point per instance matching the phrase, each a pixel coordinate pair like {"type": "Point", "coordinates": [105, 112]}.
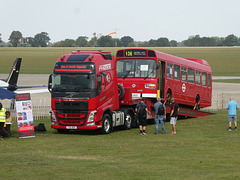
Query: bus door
{"type": "Point", "coordinates": [161, 79]}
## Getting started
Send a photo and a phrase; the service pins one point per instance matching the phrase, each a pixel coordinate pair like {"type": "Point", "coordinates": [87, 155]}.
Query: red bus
{"type": "Point", "coordinates": [153, 74]}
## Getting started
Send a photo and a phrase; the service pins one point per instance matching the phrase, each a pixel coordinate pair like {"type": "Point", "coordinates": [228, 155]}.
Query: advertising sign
{"type": "Point", "coordinates": [24, 115]}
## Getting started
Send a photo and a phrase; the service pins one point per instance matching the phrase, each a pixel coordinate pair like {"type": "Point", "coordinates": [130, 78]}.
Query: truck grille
{"type": "Point", "coordinates": [72, 106]}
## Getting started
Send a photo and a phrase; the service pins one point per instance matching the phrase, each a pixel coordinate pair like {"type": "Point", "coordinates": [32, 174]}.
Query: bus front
{"type": "Point", "coordinates": [137, 70]}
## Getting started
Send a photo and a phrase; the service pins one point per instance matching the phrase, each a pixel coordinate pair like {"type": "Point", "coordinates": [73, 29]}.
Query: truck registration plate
{"type": "Point", "coordinates": [71, 127]}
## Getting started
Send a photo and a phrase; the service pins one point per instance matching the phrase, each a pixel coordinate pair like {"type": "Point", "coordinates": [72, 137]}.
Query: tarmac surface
{"type": "Point", "coordinates": [42, 79]}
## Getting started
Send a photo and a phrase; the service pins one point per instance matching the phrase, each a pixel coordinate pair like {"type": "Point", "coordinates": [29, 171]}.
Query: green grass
{"type": "Point", "coordinates": [223, 61]}
{"type": "Point", "coordinates": [201, 149]}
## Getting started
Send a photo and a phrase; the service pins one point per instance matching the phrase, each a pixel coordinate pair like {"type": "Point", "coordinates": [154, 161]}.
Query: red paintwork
{"type": "Point", "coordinates": [192, 90]}
{"type": "Point", "coordinates": [107, 99]}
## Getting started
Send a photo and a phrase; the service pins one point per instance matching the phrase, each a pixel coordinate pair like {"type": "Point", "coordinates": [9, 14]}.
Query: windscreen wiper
{"type": "Point", "coordinates": [148, 74]}
{"type": "Point", "coordinates": [126, 74]}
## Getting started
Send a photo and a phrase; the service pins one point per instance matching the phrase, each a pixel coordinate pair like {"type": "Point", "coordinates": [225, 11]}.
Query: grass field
{"type": "Point", "coordinates": [201, 149]}
{"type": "Point", "coordinates": [223, 61]}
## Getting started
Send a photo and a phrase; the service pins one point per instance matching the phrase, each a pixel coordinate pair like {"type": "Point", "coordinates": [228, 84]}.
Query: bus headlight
{"type": "Point", "coordinates": [150, 86]}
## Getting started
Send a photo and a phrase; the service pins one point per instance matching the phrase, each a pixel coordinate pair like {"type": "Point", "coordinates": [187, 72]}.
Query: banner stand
{"type": "Point", "coordinates": [24, 115]}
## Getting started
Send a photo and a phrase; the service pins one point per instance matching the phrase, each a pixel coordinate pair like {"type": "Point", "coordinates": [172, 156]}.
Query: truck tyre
{"type": "Point", "coordinates": [106, 124]}
{"type": "Point", "coordinates": [121, 92]}
{"type": "Point", "coordinates": [63, 131]}
{"type": "Point", "coordinates": [128, 118]}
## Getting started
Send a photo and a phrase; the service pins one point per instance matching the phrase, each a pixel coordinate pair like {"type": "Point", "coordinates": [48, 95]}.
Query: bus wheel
{"type": "Point", "coordinates": [106, 124]}
{"type": "Point", "coordinates": [128, 120]}
{"type": "Point", "coordinates": [121, 92]}
{"type": "Point", "coordinates": [63, 131]}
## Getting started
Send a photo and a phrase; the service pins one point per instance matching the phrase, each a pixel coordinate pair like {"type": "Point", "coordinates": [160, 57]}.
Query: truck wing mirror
{"type": "Point", "coordinates": [50, 83]}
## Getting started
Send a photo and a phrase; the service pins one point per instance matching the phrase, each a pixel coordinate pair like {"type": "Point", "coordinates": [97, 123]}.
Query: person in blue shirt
{"type": "Point", "coordinates": [232, 107]}
{"type": "Point", "coordinates": [159, 115]}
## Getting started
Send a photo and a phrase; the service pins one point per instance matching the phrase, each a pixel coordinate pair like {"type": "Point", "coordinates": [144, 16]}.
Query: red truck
{"type": "Point", "coordinates": [84, 93]}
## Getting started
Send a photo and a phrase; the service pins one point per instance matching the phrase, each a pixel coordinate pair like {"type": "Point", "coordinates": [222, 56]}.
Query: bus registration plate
{"type": "Point", "coordinates": [71, 127]}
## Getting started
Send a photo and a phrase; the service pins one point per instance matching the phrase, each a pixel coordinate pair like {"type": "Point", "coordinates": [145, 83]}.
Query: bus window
{"type": "Point", "coordinates": [198, 77]}
{"type": "Point", "coordinates": [169, 70]}
{"type": "Point", "coordinates": [204, 79]}
{"type": "Point", "coordinates": [190, 75]}
{"type": "Point", "coordinates": [209, 80]}
{"type": "Point", "coordinates": [177, 72]}
{"type": "Point", "coordinates": [183, 74]}
{"type": "Point", "coordinates": [138, 68]}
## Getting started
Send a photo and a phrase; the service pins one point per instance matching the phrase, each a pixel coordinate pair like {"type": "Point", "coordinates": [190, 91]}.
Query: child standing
{"type": "Point", "coordinates": [8, 125]}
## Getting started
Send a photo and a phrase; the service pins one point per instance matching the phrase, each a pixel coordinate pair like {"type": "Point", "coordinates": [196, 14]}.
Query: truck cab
{"type": "Point", "coordinates": [84, 92]}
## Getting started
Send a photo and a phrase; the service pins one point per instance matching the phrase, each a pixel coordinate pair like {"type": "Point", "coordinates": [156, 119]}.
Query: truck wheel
{"type": "Point", "coordinates": [121, 92]}
{"type": "Point", "coordinates": [106, 124]}
{"type": "Point", "coordinates": [128, 118]}
{"type": "Point", "coordinates": [63, 131]}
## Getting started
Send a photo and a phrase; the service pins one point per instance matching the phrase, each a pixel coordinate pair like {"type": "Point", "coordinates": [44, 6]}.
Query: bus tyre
{"type": "Point", "coordinates": [63, 131]}
{"type": "Point", "coordinates": [121, 92]}
{"type": "Point", "coordinates": [128, 120]}
{"type": "Point", "coordinates": [106, 124]}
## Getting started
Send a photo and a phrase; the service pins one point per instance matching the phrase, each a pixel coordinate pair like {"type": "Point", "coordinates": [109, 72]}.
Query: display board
{"type": "Point", "coordinates": [24, 115]}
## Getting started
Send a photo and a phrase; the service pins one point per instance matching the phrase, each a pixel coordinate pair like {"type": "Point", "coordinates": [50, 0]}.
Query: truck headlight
{"type": "Point", "coordinates": [53, 116]}
{"type": "Point", "coordinates": [91, 116]}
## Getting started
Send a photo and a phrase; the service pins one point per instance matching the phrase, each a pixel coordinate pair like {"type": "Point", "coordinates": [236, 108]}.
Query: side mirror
{"type": "Point", "coordinates": [158, 65]}
{"type": "Point", "coordinates": [50, 83]}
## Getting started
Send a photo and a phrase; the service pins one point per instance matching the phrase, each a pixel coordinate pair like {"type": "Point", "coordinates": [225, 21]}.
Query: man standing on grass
{"type": "Point", "coordinates": [160, 113]}
{"type": "Point", "coordinates": [232, 107]}
{"type": "Point", "coordinates": [141, 110]}
{"type": "Point", "coordinates": [174, 115]}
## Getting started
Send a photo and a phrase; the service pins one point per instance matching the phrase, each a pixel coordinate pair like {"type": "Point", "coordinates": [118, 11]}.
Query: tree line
{"type": "Point", "coordinates": [42, 39]}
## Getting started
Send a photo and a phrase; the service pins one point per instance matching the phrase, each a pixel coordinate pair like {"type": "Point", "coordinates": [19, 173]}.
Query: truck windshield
{"type": "Point", "coordinates": [73, 82]}
{"type": "Point", "coordinates": [136, 68]}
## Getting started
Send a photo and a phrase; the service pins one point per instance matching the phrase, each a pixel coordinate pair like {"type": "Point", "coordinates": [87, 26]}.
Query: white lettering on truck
{"type": "Point", "coordinates": [105, 67]}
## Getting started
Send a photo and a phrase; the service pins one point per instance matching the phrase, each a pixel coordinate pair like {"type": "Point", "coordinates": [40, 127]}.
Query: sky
{"type": "Point", "coordinates": [141, 19]}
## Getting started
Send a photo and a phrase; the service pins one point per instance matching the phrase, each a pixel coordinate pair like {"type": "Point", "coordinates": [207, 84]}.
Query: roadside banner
{"type": "Point", "coordinates": [24, 115]}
